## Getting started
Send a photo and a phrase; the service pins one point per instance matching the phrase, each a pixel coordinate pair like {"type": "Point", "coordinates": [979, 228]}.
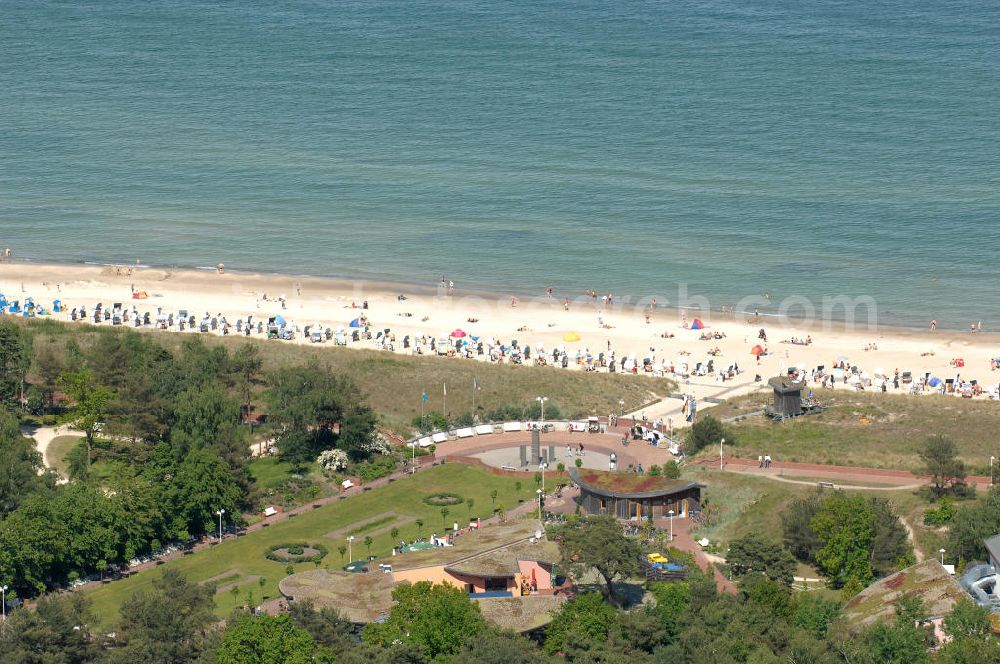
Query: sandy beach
{"type": "Point", "coordinates": [435, 311]}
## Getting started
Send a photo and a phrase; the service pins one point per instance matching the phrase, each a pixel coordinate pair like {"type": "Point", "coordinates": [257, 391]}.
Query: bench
{"type": "Point", "coordinates": [466, 432]}
{"type": "Point", "coordinates": [826, 485]}
{"type": "Point", "coordinates": [512, 426]}
{"type": "Point", "coordinates": [508, 468]}
{"type": "Point", "coordinates": [484, 429]}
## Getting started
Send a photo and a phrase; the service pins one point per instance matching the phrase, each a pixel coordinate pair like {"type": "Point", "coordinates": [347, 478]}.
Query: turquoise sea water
{"type": "Point", "coordinates": [818, 148]}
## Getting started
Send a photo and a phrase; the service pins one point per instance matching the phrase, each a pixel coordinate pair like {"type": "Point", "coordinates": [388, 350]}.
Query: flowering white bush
{"type": "Point", "coordinates": [333, 459]}
{"type": "Point", "coordinates": [377, 445]}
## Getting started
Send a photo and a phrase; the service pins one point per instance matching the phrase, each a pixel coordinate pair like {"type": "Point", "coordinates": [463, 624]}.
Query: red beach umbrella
{"type": "Point", "coordinates": [458, 333]}
{"type": "Point", "coordinates": [756, 351]}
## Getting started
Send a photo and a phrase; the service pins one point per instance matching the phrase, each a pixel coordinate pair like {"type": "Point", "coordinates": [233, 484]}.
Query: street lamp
{"type": "Point", "coordinates": [542, 401]}
{"type": "Point", "coordinates": [941, 551]}
{"type": "Point", "coordinates": [542, 466]}
{"type": "Point", "coordinates": [722, 441]}
{"type": "Point", "coordinates": [671, 514]}
{"type": "Point", "coordinates": [621, 407]}
{"type": "Point", "coordinates": [350, 548]}
{"type": "Point", "coordinates": [539, 492]}
{"type": "Point", "coordinates": [219, 513]}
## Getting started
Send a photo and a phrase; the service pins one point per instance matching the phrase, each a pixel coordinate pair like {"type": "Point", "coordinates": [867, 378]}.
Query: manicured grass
{"type": "Point", "coordinates": [245, 555]}
{"type": "Point", "coordinates": [392, 383]}
{"type": "Point", "coordinates": [56, 453]}
{"type": "Point", "coordinates": [269, 473]}
{"type": "Point", "coordinates": [868, 429]}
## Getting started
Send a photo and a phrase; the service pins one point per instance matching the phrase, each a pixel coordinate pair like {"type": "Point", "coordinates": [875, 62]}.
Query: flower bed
{"type": "Point", "coordinates": [297, 552]}
{"type": "Point", "coordinates": [443, 499]}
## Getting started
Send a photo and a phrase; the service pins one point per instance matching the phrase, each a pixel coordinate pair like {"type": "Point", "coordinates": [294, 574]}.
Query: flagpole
{"type": "Point", "coordinates": [445, 413]}
{"type": "Point", "coordinates": [473, 398]}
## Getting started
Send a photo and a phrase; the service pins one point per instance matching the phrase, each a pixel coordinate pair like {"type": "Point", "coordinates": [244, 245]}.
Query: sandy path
{"type": "Point", "coordinates": [43, 436]}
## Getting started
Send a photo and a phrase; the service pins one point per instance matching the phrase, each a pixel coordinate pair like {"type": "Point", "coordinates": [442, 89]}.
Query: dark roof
{"type": "Point", "coordinates": [927, 580]}
{"type": "Point", "coordinates": [785, 385]}
{"type": "Point", "coordinates": [628, 485]}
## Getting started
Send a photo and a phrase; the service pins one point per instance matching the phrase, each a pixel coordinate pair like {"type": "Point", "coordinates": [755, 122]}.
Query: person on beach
{"type": "Point", "coordinates": [220, 268]}
{"type": "Point", "coordinates": [760, 461]}
{"type": "Point", "coordinates": [933, 324]}
{"type": "Point", "coordinates": [513, 301]}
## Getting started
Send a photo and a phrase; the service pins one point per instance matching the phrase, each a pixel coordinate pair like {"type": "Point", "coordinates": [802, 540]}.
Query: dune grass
{"type": "Point", "coordinates": [868, 429]}
{"type": "Point", "coordinates": [392, 383]}
{"type": "Point", "coordinates": [244, 559]}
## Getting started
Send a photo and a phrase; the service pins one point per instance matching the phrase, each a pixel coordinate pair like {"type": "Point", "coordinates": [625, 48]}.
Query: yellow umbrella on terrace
{"type": "Point", "coordinates": [571, 336]}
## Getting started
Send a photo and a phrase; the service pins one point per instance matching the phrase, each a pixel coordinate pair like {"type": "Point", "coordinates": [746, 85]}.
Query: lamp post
{"type": "Point", "coordinates": [350, 548]}
{"type": "Point", "coordinates": [542, 466]}
{"type": "Point", "coordinates": [992, 459]}
{"type": "Point", "coordinates": [671, 514]}
{"type": "Point", "coordinates": [539, 492]}
{"type": "Point", "coordinates": [722, 441]}
{"type": "Point", "coordinates": [941, 551]}
{"type": "Point", "coordinates": [219, 513]}
{"type": "Point", "coordinates": [4, 590]}
{"type": "Point", "coordinates": [542, 401]}
{"type": "Point", "coordinates": [621, 407]}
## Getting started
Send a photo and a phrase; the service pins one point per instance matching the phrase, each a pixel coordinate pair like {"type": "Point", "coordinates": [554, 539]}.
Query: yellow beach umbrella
{"type": "Point", "coordinates": [571, 336]}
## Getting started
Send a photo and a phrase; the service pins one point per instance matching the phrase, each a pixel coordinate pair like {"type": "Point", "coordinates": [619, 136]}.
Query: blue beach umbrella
{"type": "Point", "coordinates": [279, 319]}
{"type": "Point", "coordinates": [355, 323]}
{"type": "Point", "coordinates": [935, 381]}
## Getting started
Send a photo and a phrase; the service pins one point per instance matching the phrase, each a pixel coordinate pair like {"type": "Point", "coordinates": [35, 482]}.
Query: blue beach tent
{"type": "Point", "coordinates": [355, 323]}
{"type": "Point", "coordinates": [57, 306]}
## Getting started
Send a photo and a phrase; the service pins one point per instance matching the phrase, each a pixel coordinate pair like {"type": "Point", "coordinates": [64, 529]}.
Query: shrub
{"type": "Point", "coordinates": [706, 431]}
{"type": "Point", "coordinates": [561, 467]}
{"type": "Point", "coordinates": [378, 467]}
{"type": "Point", "coordinates": [295, 550]}
{"type": "Point", "coordinates": [942, 515]}
{"type": "Point", "coordinates": [579, 463]}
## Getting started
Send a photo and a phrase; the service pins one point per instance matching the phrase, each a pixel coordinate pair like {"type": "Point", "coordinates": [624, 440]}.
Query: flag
{"type": "Point", "coordinates": [423, 395]}
{"type": "Point", "coordinates": [446, 389]}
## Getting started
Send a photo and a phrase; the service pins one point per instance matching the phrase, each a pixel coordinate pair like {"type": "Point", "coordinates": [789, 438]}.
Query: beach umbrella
{"type": "Point", "coordinates": [757, 351]}
{"type": "Point", "coordinates": [935, 381]}
{"type": "Point", "coordinates": [355, 323]}
{"type": "Point", "coordinates": [571, 336]}
{"type": "Point", "coordinates": [458, 333]}
{"type": "Point", "coordinates": [697, 324]}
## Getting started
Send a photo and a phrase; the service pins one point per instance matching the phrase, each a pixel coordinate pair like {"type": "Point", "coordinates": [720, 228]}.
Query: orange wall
{"type": "Point", "coordinates": [437, 574]}
{"type": "Point", "coordinates": [542, 576]}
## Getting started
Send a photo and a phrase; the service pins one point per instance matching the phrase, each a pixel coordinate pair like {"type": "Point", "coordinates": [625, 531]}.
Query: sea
{"type": "Point", "coordinates": [717, 150]}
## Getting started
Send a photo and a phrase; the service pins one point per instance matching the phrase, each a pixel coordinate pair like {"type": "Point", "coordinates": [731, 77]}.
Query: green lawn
{"type": "Point", "coordinates": [868, 429]}
{"type": "Point", "coordinates": [56, 453]}
{"type": "Point", "coordinates": [241, 561]}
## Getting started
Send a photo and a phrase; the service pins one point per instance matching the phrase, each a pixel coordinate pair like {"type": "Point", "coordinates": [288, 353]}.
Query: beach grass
{"type": "Point", "coordinates": [752, 504]}
{"type": "Point", "coordinates": [241, 561]}
{"type": "Point", "coordinates": [392, 384]}
{"type": "Point", "coordinates": [868, 429]}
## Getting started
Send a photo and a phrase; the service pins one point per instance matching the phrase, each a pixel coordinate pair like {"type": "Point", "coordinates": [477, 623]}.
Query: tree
{"type": "Point", "coordinates": [814, 613]}
{"type": "Point", "coordinates": [420, 524]}
{"type": "Point", "coordinates": [203, 416]}
{"type": "Point", "coordinates": [754, 555]}
{"type": "Point", "coordinates": [22, 472]}
{"type": "Point", "coordinates": [470, 503]}
{"type": "Point", "coordinates": [973, 524]}
{"type": "Point", "coordinates": [705, 432]}
{"type": "Point", "coordinates": [492, 647]}
{"type": "Point", "coordinates": [438, 618]}
{"type": "Point", "coordinates": [247, 365]}
{"type": "Point", "coordinates": [48, 365]}
{"type": "Point", "coordinates": [57, 631]}
{"type": "Point", "coordinates": [493, 496]}
{"type": "Point", "coordinates": [845, 531]}
{"type": "Point", "coordinates": [586, 617]}
{"type": "Point", "coordinates": [325, 625]}
{"type": "Point", "coordinates": [341, 550]}
{"type": "Point", "coordinates": [269, 640]}
{"type": "Point", "coordinates": [90, 403]}
{"type": "Point", "coordinates": [368, 545]}
{"type": "Point", "coordinates": [170, 623]}
{"type": "Point", "coordinates": [940, 457]}
{"type": "Point", "coordinates": [15, 358]}
{"type": "Point", "coordinates": [598, 543]}
{"type": "Point", "coordinates": [202, 484]}
{"type": "Point", "coordinates": [444, 517]}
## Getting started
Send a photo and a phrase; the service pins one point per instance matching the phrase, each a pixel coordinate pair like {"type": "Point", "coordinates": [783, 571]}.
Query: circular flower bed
{"type": "Point", "coordinates": [443, 499]}
{"type": "Point", "coordinates": [297, 553]}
